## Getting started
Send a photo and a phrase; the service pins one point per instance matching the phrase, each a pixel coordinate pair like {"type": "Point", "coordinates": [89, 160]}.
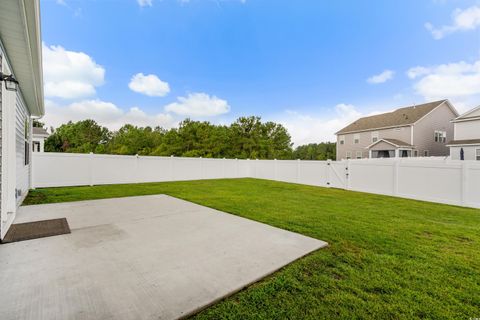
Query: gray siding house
{"type": "Point", "coordinates": [466, 140]}
{"type": "Point", "coordinates": [419, 130]}
{"type": "Point", "coordinates": [21, 97]}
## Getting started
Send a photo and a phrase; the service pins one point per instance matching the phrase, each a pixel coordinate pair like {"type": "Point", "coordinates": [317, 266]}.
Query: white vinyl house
{"type": "Point", "coordinates": [466, 143]}
{"type": "Point", "coordinates": [39, 135]}
{"type": "Point", "coordinates": [21, 98]}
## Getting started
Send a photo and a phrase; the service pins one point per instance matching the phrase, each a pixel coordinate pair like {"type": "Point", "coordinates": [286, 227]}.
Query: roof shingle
{"type": "Point", "coordinates": [400, 117]}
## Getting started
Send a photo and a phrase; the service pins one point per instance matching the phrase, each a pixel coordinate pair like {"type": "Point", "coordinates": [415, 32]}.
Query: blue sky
{"type": "Point", "coordinates": [311, 65]}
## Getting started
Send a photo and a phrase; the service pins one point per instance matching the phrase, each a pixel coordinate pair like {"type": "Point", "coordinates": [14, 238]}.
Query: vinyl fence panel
{"type": "Point", "coordinates": [430, 179]}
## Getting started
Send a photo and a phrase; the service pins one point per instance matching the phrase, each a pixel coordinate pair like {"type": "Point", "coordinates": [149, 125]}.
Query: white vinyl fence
{"type": "Point", "coordinates": [444, 181]}
{"type": "Point", "coordinates": [75, 169]}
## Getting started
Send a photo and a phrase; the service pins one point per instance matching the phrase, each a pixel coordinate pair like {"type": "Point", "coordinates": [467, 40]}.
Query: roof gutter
{"type": "Point", "coordinates": [31, 25]}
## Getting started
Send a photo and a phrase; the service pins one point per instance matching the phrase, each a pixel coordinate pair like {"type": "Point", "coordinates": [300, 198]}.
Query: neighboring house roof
{"type": "Point", "coordinates": [400, 117]}
{"type": "Point", "coordinates": [20, 35]}
{"type": "Point", "coordinates": [473, 114]}
{"type": "Point", "coordinates": [40, 132]}
{"type": "Point", "coordinates": [394, 142]}
{"type": "Point", "coordinates": [463, 142]}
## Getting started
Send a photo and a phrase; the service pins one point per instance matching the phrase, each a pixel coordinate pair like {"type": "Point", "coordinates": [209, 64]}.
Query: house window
{"type": "Point", "coordinates": [359, 155]}
{"type": "Point", "coordinates": [426, 153]}
{"type": "Point", "coordinates": [405, 153]}
{"type": "Point", "coordinates": [349, 155]}
{"type": "Point", "coordinates": [374, 136]}
{"type": "Point", "coordinates": [342, 139]}
{"type": "Point", "coordinates": [477, 154]}
{"type": "Point", "coordinates": [26, 140]}
{"type": "Point", "coordinates": [36, 146]}
{"type": "Point", "coordinates": [440, 136]}
{"type": "Point", "coordinates": [356, 138]}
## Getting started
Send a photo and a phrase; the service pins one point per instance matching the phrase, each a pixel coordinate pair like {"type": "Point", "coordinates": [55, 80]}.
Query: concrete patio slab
{"type": "Point", "coordinates": [150, 257]}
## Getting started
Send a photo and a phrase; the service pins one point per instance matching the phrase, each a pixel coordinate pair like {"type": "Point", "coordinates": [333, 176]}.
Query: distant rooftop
{"type": "Point", "coordinates": [40, 131]}
{"type": "Point", "coordinates": [400, 117]}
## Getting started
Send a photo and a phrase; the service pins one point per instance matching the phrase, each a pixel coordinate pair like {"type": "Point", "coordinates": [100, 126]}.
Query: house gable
{"type": "Point", "coordinates": [440, 120]}
{"type": "Point", "coordinates": [382, 145]}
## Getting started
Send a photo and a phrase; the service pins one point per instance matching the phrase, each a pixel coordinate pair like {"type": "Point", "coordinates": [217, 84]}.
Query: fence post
{"type": "Point", "coordinates": [328, 167]}
{"type": "Point", "coordinates": [237, 173]}
{"type": "Point", "coordinates": [275, 172]}
{"type": "Point", "coordinates": [256, 168]}
{"type": "Point", "coordinates": [464, 187]}
{"type": "Point", "coordinates": [298, 170]}
{"type": "Point", "coordinates": [136, 173]}
{"type": "Point", "coordinates": [347, 175]}
{"type": "Point", "coordinates": [172, 167]}
{"type": "Point", "coordinates": [201, 168]}
{"type": "Point", "coordinates": [396, 166]}
{"type": "Point", "coordinates": [91, 159]}
{"type": "Point", "coordinates": [223, 168]}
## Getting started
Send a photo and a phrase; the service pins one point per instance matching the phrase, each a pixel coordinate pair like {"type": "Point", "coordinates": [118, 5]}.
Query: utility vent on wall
{"type": "Point", "coordinates": [18, 193]}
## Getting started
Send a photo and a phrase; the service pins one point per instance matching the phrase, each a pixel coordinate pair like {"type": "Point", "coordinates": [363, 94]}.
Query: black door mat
{"type": "Point", "coordinates": [36, 229]}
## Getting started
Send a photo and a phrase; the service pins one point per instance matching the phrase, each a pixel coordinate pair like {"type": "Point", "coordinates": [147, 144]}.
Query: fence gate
{"type": "Point", "coordinates": [338, 174]}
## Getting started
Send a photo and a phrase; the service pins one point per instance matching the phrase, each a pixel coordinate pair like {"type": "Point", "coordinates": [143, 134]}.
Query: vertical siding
{"type": "Point", "coordinates": [23, 171]}
{"type": "Point", "coordinates": [423, 132]}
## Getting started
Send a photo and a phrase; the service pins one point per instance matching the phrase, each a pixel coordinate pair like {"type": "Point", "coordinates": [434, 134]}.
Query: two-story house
{"type": "Point", "coordinates": [418, 130]}
{"type": "Point", "coordinates": [466, 140]}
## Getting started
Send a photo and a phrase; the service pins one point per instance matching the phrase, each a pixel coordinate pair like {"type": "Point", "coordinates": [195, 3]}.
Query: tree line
{"type": "Point", "coordinates": [246, 138]}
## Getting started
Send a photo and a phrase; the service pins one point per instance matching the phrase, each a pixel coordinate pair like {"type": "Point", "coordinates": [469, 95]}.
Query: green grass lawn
{"type": "Point", "coordinates": [388, 258]}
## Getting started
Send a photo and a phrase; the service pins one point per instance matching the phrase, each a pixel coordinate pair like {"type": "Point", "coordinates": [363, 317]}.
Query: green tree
{"type": "Point", "coordinates": [135, 140]}
{"type": "Point", "coordinates": [250, 138]}
{"type": "Point", "coordinates": [247, 137]}
{"type": "Point", "coordinates": [79, 137]}
{"type": "Point", "coordinates": [314, 151]}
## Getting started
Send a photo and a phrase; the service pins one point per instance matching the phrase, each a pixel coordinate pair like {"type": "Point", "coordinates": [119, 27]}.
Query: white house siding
{"type": "Point", "coordinates": [1, 87]}
{"type": "Point", "coordinates": [22, 171]}
{"type": "Point", "coordinates": [399, 133]}
{"type": "Point", "coordinates": [469, 152]}
{"type": "Point", "coordinates": [424, 130]}
{"type": "Point", "coordinates": [466, 130]}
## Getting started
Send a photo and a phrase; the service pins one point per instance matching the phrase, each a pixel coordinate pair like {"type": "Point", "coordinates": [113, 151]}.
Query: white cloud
{"type": "Point", "coordinates": [61, 2]}
{"type": "Point", "coordinates": [198, 105]}
{"type": "Point", "coordinates": [149, 85]}
{"type": "Point", "coordinates": [105, 113]}
{"type": "Point", "coordinates": [145, 3]}
{"type": "Point", "coordinates": [314, 129]}
{"type": "Point", "coordinates": [382, 77]}
{"type": "Point", "coordinates": [415, 72]}
{"type": "Point", "coordinates": [462, 20]}
{"type": "Point", "coordinates": [70, 74]}
{"type": "Point", "coordinates": [459, 82]}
